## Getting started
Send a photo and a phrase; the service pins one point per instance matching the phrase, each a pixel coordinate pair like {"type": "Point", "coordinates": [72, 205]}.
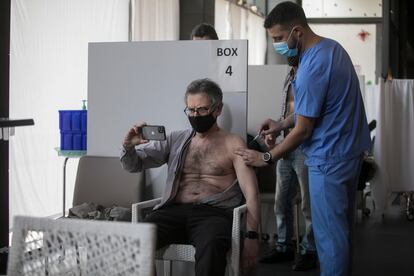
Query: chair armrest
{"type": "Point", "coordinates": [238, 213]}
{"type": "Point", "coordinates": [137, 208]}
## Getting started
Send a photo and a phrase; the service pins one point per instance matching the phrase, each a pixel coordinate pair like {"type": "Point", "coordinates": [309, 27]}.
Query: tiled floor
{"type": "Point", "coordinates": [383, 246]}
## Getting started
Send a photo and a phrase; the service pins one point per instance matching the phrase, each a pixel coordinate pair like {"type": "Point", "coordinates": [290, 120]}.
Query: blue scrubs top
{"type": "Point", "coordinates": [327, 88]}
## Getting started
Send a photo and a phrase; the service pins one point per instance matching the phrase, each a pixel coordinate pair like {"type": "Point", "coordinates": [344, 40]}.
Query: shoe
{"type": "Point", "coordinates": [305, 262]}
{"type": "Point", "coordinates": [275, 256]}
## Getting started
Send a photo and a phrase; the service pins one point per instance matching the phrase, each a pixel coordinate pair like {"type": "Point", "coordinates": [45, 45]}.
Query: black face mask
{"type": "Point", "coordinates": [202, 123]}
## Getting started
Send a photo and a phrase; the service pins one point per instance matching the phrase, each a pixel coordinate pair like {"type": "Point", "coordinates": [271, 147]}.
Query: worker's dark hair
{"type": "Point", "coordinates": [286, 14]}
{"type": "Point", "coordinates": [204, 30]}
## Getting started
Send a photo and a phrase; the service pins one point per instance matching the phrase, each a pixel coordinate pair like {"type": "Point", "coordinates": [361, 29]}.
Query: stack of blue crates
{"type": "Point", "coordinates": [72, 125]}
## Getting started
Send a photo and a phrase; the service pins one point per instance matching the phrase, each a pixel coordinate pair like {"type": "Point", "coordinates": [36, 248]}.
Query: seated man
{"type": "Point", "coordinates": [205, 182]}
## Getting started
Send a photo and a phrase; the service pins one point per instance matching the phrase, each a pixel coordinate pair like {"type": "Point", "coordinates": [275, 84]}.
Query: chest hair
{"type": "Point", "coordinates": [207, 158]}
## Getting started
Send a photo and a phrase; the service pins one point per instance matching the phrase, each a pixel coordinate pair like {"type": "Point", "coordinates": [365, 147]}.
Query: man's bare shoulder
{"type": "Point", "coordinates": [234, 140]}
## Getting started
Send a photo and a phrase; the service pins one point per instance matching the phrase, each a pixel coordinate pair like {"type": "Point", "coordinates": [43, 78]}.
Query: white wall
{"type": "Point", "coordinates": [265, 94]}
{"type": "Point", "coordinates": [342, 8]}
{"type": "Point", "coordinates": [362, 53]}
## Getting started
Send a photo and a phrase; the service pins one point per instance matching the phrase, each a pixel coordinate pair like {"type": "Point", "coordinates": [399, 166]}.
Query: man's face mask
{"type": "Point", "coordinates": [203, 123]}
{"type": "Point", "coordinates": [283, 47]}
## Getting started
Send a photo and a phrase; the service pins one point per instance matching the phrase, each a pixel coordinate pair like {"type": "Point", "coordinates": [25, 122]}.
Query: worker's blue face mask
{"type": "Point", "coordinates": [283, 47]}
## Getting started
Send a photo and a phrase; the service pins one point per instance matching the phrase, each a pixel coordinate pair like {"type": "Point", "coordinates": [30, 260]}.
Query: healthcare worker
{"type": "Point", "coordinates": [331, 126]}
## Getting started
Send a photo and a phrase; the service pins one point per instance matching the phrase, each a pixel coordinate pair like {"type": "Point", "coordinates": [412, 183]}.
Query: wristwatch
{"type": "Point", "coordinates": [267, 157]}
{"type": "Point", "coordinates": [252, 235]}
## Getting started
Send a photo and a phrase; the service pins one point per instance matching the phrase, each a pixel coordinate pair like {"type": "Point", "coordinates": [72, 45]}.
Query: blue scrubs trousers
{"type": "Point", "coordinates": [332, 190]}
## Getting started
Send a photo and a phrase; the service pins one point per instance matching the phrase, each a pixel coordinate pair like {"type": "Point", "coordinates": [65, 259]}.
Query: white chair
{"type": "Point", "coordinates": [42, 246]}
{"type": "Point", "coordinates": [186, 252]}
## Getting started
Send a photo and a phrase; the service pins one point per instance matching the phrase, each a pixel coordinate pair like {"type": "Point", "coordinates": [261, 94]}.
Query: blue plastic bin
{"type": "Point", "coordinates": [73, 127]}
{"type": "Point", "coordinates": [73, 120]}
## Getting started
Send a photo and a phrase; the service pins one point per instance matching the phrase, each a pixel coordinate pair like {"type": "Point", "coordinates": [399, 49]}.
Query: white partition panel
{"type": "Point", "coordinates": [130, 82]}
{"type": "Point", "coordinates": [265, 94]}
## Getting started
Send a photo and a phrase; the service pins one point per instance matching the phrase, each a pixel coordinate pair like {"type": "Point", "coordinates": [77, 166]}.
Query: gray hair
{"type": "Point", "coordinates": [208, 87]}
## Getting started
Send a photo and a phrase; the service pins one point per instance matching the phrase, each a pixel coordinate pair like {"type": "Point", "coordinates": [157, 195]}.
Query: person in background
{"type": "Point", "coordinates": [204, 31]}
{"type": "Point", "coordinates": [205, 182]}
{"type": "Point", "coordinates": [330, 126]}
{"type": "Point", "coordinates": [291, 171]}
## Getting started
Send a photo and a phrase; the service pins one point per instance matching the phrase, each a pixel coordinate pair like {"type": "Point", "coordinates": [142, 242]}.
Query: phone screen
{"type": "Point", "coordinates": [153, 133]}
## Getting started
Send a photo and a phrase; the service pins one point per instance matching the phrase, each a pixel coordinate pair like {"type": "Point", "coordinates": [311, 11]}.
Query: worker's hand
{"type": "Point", "coordinates": [134, 136]}
{"type": "Point", "coordinates": [270, 126]}
{"type": "Point", "coordinates": [251, 157]}
{"type": "Point", "coordinates": [270, 141]}
{"type": "Point", "coordinates": [250, 253]}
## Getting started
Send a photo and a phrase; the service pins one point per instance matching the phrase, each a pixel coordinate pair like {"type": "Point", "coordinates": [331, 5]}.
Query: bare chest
{"type": "Point", "coordinates": [208, 159]}
{"type": "Point", "coordinates": [290, 107]}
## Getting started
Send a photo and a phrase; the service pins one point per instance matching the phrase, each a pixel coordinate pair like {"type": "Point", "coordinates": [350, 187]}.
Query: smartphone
{"type": "Point", "coordinates": [153, 133]}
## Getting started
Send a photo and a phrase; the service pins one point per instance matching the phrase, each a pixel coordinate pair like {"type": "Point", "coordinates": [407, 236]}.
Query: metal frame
{"type": "Point", "coordinates": [4, 112]}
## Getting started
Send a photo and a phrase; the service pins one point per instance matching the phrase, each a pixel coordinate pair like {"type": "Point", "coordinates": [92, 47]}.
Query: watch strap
{"type": "Point", "coordinates": [270, 160]}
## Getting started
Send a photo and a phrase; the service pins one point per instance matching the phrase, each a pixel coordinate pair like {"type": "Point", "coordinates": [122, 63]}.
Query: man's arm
{"type": "Point", "coordinates": [248, 184]}
{"type": "Point", "coordinates": [289, 121]}
{"type": "Point", "coordinates": [303, 130]}
{"type": "Point", "coordinates": [270, 129]}
{"type": "Point", "coordinates": [270, 126]}
{"type": "Point", "coordinates": [148, 155]}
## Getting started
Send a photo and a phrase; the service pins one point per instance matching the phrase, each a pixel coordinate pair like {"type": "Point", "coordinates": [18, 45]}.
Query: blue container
{"type": "Point", "coordinates": [84, 121]}
{"type": "Point", "coordinates": [66, 141]}
{"type": "Point", "coordinates": [76, 121]}
{"type": "Point", "coordinates": [84, 140]}
{"type": "Point", "coordinates": [65, 120]}
{"type": "Point", "coordinates": [73, 127]}
{"type": "Point", "coordinates": [73, 120]}
{"type": "Point", "coordinates": [72, 141]}
{"type": "Point", "coordinates": [77, 141]}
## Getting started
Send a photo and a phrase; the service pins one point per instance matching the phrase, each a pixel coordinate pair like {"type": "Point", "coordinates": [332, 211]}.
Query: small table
{"type": "Point", "coordinates": [68, 154]}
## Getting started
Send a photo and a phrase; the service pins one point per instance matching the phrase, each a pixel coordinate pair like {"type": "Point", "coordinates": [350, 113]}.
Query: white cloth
{"type": "Point", "coordinates": [235, 22]}
{"type": "Point", "coordinates": [48, 72]}
{"type": "Point", "coordinates": [394, 146]}
{"type": "Point", "coordinates": [155, 20]}
{"type": "Point", "coordinates": [370, 96]}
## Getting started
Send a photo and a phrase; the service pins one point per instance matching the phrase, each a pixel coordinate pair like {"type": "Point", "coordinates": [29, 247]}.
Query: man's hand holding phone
{"type": "Point", "coordinates": [142, 133]}
{"type": "Point", "coordinates": [134, 136]}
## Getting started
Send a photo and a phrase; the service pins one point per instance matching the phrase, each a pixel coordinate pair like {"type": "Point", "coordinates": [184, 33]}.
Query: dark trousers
{"type": "Point", "coordinates": [207, 228]}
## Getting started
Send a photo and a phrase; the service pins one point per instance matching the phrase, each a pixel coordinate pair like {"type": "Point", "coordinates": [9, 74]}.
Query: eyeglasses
{"type": "Point", "coordinates": [200, 111]}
